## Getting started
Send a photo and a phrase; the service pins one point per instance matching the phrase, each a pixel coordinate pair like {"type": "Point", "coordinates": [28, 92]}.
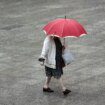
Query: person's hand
{"type": "Point", "coordinates": [41, 61]}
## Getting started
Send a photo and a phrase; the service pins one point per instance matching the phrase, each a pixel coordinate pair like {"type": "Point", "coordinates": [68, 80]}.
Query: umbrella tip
{"type": "Point", "coordinates": [65, 16]}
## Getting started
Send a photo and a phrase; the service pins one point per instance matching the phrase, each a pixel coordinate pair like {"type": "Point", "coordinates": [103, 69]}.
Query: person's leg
{"type": "Point", "coordinates": [46, 85]}
{"type": "Point", "coordinates": [48, 77]}
{"type": "Point", "coordinates": [47, 81]}
{"type": "Point", "coordinates": [65, 91]}
{"type": "Point", "coordinates": [62, 84]}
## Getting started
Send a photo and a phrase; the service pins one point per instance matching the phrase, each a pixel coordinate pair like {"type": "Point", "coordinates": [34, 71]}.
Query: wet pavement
{"type": "Point", "coordinates": [21, 39]}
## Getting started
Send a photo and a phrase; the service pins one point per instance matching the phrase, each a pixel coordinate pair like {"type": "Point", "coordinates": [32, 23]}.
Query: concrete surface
{"type": "Point", "coordinates": [21, 38]}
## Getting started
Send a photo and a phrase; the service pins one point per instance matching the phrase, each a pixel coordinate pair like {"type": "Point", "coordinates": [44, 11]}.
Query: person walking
{"type": "Point", "coordinates": [51, 56]}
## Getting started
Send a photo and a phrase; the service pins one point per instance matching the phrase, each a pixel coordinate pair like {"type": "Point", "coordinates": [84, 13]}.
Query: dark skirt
{"type": "Point", "coordinates": [56, 73]}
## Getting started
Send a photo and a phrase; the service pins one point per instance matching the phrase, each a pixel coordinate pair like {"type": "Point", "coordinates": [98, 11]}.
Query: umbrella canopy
{"type": "Point", "coordinates": [64, 28]}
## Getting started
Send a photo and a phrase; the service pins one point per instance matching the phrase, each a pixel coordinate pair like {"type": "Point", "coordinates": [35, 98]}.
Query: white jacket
{"type": "Point", "coordinates": [49, 52]}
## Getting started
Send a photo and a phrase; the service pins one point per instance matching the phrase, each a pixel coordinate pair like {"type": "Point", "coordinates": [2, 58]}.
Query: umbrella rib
{"type": "Point", "coordinates": [63, 28]}
{"type": "Point", "coordinates": [79, 30]}
{"type": "Point", "coordinates": [76, 28]}
{"type": "Point", "coordinates": [52, 26]}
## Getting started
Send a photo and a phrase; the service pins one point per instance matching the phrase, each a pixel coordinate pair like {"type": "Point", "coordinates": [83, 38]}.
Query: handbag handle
{"type": "Point", "coordinates": [64, 41]}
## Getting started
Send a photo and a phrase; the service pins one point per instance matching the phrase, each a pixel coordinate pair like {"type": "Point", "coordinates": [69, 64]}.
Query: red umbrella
{"type": "Point", "coordinates": [64, 28]}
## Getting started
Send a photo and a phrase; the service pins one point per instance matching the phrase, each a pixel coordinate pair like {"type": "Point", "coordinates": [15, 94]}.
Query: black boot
{"type": "Point", "coordinates": [47, 90]}
{"type": "Point", "coordinates": [66, 92]}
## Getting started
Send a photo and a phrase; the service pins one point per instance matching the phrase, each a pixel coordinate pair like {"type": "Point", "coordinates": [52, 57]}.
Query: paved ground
{"type": "Point", "coordinates": [21, 37]}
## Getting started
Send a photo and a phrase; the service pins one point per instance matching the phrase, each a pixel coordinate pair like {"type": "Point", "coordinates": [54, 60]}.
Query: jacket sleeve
{"type": "Point", "coordinates": [45, 47]}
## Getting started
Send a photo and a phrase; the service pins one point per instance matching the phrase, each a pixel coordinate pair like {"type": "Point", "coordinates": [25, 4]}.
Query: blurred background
{"type": "Point", "coordinates": [21, 40]}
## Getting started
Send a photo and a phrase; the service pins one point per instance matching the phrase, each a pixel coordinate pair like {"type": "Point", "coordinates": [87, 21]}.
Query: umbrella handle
{"type": "Point", "coordinates": [64, 41]}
